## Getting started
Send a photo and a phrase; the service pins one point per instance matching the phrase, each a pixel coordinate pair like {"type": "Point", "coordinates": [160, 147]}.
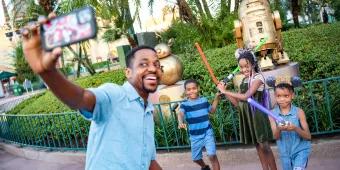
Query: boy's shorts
{"type": "Point", "coordinates": [208, 141]}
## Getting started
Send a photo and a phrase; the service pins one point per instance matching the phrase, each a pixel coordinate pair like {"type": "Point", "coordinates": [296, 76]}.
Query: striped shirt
{"type": "Point", "coordinates": [196, 114]}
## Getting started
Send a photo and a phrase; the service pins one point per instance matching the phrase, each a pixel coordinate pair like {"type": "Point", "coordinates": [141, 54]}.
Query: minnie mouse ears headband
{"type": "Point", "coordinates": [294, 81]}
{"type": "Point", "coordinates": [243, 51]}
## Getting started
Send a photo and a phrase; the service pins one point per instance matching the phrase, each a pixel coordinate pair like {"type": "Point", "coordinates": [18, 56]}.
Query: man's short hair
{"type": "Point", "coordinates": [131, 54]}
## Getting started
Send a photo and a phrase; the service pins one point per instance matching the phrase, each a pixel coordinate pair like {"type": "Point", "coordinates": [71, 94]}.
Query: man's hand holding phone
{"type": "Point", "coordinates": [42, 40]}
{"type": "Point", "coordinates": [43, 62]}
{"type": "Point", "coordinates": [39, 59]}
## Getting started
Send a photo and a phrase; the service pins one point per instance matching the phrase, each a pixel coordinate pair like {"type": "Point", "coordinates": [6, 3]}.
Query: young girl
{"type": "Point", "coordinates": [293, 138]}
{"type": "Point", "coordinates": [254, 125]}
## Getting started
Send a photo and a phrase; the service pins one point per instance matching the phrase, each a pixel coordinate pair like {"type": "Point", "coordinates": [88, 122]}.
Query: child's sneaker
{"type": "Point", "coordinates": [206, 168]}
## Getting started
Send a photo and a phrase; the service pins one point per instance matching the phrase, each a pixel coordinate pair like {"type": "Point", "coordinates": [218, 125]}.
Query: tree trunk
{"type": "Point", "coordinates": [228, 6]}
{"type": "Point", "coordinates": [82, 61]}
{"type": "Point", "coordinates": [295, 12]}
{"type": "Point", "coordinates": [185, 12]}
{"type": "Point", "coordinates": [206, 9]}
{"type": "Point", "coordinates": [224, 8]}
{"type": "Point", "coordinates": [237, 4]}
{"type": "Point", "coordinates": [4, 7]}
{"type": "Point", "coordinates": [78, 68]}
{"type": "Point", "coordinates": [200, 9]}
{"type": "Point", "coordinates": [86, 61]}
{"type": "Point", "coordinates": [79, 57]}
{"type": "Point", "coordinates": [46, 5]}
{"type": "Point", "coordinates": [132, 41]}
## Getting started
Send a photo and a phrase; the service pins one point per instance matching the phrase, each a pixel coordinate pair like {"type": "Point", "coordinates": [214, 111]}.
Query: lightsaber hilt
{"type": "Point", "coordinates": [231, 75]}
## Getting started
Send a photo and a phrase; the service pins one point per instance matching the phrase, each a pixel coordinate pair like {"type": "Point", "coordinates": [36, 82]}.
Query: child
{"type": "Point", "coordinates": [254, 125]}
{"type": "Point", "coordinates": [293, 139]}
{"type": "Point", "coordinates": [196, 110]}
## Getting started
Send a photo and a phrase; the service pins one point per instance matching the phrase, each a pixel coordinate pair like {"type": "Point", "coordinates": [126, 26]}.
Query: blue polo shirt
{"type": "Point", "coordinates": [122, 131]}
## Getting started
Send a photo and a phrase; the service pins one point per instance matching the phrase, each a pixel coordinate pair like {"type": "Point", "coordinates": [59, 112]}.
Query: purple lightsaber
{"type": "Point", "coordinates": [265, 110]}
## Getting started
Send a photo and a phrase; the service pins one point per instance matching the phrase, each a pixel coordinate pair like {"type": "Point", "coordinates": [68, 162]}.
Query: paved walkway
{"type": "Point", "coordinates": [11, 162]}
{"type": "Point", "coordinates": [325, 155]}
{"type": "Point", "coordinates": [9, 102]}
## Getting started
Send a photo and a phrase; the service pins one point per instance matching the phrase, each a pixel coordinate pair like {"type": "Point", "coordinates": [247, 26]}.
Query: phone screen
{"type": "Point", "coordinates": [74, 27]}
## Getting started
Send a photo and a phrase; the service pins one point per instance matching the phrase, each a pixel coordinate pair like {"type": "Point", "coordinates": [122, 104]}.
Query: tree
{"type": "Point", "coordinates": [225, 7]}
{"type": "Point", "coordinates": [206, 9]}
{"type": "Point", "coordinates": [200, 9]}
{"type": "Point", "coordinates": [185, 12]}
{"type": "Point", "coordinates": [118, 13]}
{"type": "Point", "coordinates": [237, 3]}
{"type": "Point", "coordinates": [295, 7]}
{"type": "Point", "coordinates": [22, 68]}
{"type": "Point", "coordinates": [336, 6]}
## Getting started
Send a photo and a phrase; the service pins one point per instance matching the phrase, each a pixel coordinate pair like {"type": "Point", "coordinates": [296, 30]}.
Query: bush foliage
{"type": "Point", "coordinates": [316, 48]}
{"type": "Point", "coordinates": [48, 103]}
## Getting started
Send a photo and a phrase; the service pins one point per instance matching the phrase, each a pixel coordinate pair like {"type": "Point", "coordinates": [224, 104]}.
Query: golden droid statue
{"type": "Point", "coordinates": [171, 65]}
{"type": "Point", "coordinates": [171, 87]}
{"type": "Point", "coordinates": [257, 22]}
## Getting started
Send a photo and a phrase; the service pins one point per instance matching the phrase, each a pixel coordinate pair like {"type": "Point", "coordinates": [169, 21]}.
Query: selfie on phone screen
{"type": "Point", "coordinates": [68, 29]}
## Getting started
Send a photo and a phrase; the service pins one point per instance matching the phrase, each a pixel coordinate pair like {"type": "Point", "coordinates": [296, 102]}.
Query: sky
{"type": "Point", "coordinates": [144, 14]}
{"type": "Point", "coordinates": [145, 11]}
{"type": "Point", "coordinates": [2, 18]}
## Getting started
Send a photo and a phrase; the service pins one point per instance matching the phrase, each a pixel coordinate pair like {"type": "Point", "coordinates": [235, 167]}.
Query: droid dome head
{"type": "Point", "coordinates": [163, 50]}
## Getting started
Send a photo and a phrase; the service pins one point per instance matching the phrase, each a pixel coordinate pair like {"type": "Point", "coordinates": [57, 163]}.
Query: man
{"type": "Point", "coordinates": [122, 128]}
{"type": "Point", "coordinates": [28, 85]}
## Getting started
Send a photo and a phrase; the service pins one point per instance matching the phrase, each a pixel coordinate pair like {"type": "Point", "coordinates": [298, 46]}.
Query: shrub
{"type": "Point", "coordinates": [316, 48]}
{"type": "Point", "coordinates": [48, 103]}
{"type": "Point", "coordinates": [101, 64]}
{"type": "Point", "coordinates": [212, 33]}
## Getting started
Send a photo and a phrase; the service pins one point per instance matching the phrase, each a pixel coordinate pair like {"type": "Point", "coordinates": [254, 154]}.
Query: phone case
{"type": "Point", "coordinates": [76, 26]}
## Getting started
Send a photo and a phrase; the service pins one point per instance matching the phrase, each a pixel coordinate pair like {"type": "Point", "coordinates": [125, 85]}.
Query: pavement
{"type": "Point", "coordinates": [13, 162]}
{"type": "Point", "coordinates": [9, 102]}
{"type": "Point", "coordinates": [325, 155]}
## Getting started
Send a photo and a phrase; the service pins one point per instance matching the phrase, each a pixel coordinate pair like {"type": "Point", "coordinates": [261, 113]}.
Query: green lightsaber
{"type": "Point", "coordinates": [231, 75]}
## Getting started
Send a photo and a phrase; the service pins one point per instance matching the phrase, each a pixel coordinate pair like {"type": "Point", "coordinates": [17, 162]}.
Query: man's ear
{"type": "Point", "coordinates": [128, 72]}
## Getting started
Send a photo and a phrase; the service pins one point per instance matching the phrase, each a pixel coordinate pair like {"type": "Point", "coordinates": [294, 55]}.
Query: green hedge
{"type": "Point", "coordinates": [48, 103]}
{"type": "Point", "coordinates": [316, 48]}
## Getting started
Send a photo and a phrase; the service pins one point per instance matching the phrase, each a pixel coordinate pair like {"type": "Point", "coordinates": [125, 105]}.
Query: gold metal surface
{"type": "Point", "coordinates": [162, 50]}
{"type": "Point", "coordinates": [172, 70]}
{"type": "Point", "coordinates": [256, 22]}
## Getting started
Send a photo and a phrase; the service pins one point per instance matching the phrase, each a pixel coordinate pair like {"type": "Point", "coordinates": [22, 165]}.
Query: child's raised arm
{"type": "Point", "coordinates": [241, 96]}
{"type": "Point", "coordinates": [221, 87]}
{"type": "Point", "coordinates": [215, 102]}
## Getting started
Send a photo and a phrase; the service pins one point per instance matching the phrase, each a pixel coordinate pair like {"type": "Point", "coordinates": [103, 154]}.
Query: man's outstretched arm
{"type": "Point", "coordinates": [44, 64]}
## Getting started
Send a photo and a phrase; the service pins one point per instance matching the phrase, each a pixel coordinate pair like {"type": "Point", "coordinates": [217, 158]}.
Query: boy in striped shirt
{"type": "Point", "coordinates": [196, 111]}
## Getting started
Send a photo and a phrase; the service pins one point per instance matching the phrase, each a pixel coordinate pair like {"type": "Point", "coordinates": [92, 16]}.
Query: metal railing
{"type": "Point", "coordinates": [320, 99]}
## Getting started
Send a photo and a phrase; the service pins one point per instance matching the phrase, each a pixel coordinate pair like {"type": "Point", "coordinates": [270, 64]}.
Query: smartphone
{"type": "Point", "coordinates": [79, 25]}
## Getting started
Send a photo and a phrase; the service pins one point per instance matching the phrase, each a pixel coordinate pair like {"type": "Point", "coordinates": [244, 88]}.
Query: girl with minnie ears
{"type": "Point", "coordinates": [254, 125]}
{"type": "Point", "coordinates": [292, 138]}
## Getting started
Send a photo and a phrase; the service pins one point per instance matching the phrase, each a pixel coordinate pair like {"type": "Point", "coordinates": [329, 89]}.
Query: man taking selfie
{"type": "Point", "coordinates": [122, 127]}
